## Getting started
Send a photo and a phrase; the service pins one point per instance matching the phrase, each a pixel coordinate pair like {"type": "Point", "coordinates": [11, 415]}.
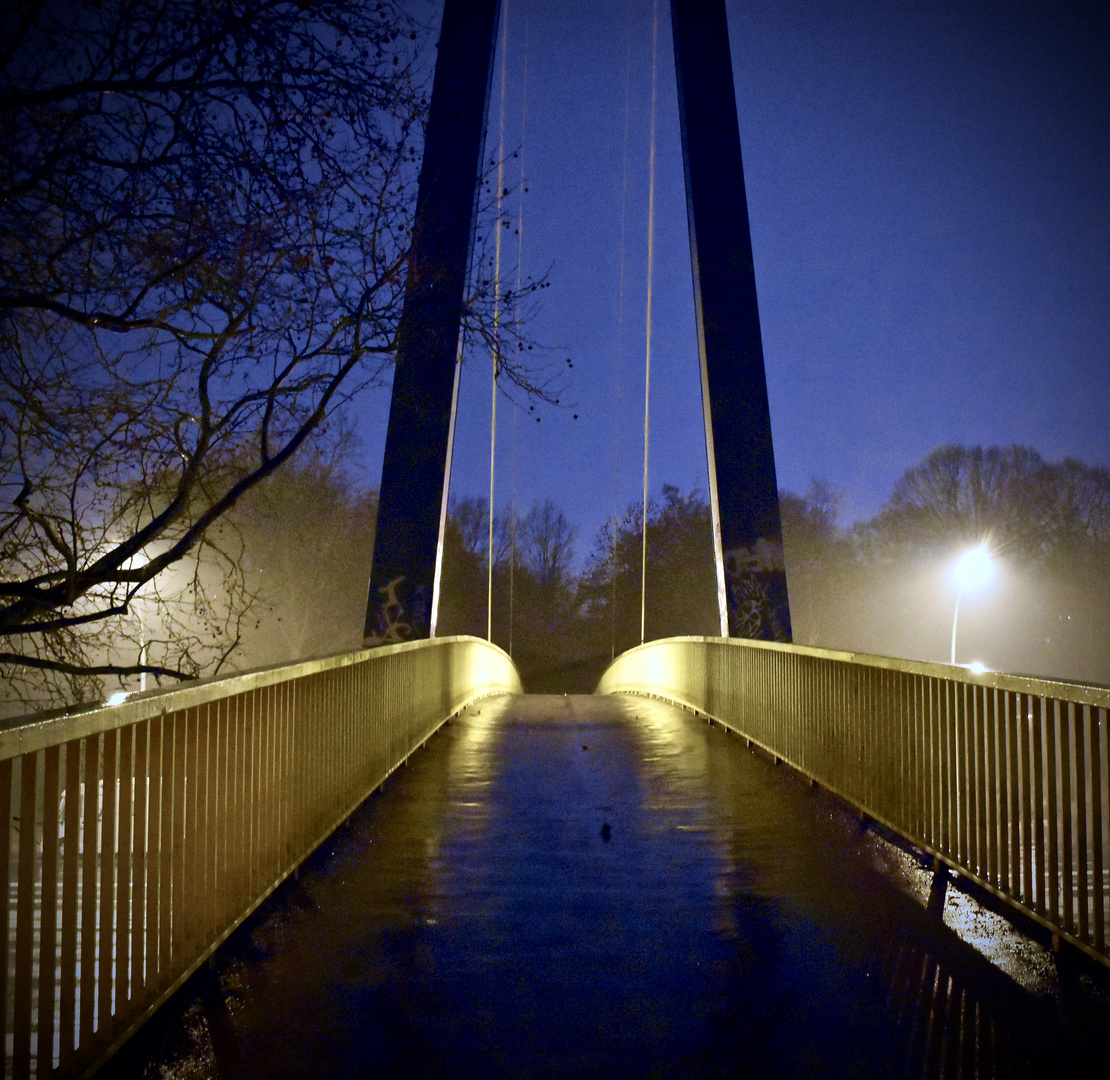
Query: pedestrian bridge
{"type": "Point", "coordinates": [139, 836]}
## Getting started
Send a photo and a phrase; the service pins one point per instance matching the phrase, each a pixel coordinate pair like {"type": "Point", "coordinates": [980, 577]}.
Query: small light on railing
{"type": "Point", "coordinates": [977, 667]}
{"type": "Point", "coordinates": [118, 698]}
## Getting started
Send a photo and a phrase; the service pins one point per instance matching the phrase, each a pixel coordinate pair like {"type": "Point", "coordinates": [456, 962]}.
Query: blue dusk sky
{"type": "Point", "coordinates": [929, 194]}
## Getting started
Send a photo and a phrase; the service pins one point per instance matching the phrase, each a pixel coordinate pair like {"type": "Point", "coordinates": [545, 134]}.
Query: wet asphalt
{"type": "Point", "coordinates": [611, 887]}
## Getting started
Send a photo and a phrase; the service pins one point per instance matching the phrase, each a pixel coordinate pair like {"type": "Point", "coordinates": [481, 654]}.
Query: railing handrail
{"type": "Point", "coordinates": [1082, 693]}
{"type": "Point", "coordinates": [36, 731]}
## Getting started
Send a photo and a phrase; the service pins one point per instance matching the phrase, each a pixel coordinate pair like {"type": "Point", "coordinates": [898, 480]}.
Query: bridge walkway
{"type": "Point", "coordinates": [589, 886]}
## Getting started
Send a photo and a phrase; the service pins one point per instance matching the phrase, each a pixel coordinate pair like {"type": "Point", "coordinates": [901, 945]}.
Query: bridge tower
{"type": "Point", "coordinates": [743, 491]}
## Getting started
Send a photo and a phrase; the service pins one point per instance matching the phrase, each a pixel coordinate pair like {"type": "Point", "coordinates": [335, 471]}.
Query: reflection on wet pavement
{"type": "Point", "coordinates": [578, 886]}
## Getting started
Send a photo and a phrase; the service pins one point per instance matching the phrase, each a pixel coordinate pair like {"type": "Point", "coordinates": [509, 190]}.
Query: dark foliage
{"type": "Point", "coordinates": [204, 225]}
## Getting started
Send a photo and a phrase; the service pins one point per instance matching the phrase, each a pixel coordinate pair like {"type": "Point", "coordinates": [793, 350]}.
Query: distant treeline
{"type": "Point", "coordinates": [881, 586]}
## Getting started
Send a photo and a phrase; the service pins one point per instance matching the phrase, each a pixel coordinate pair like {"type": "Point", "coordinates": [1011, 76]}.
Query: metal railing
{"type": "Point", "coordinates": [137, 837]}
{"type": "Point", "coordinates": [1003, 778]}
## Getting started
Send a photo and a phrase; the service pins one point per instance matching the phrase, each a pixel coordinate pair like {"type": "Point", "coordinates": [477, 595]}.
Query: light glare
{"type": "Point", "coordinates": [974, 568]}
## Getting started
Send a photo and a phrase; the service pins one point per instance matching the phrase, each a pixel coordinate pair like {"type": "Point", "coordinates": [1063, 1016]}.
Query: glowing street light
{"type": "Point", "coordinates": [973, 570]}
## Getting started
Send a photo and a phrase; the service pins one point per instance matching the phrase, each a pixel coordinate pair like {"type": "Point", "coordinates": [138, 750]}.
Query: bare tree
{"type": "Point", "coordinates": [547, 545]}
{"type": "Point", "coordinates": [1030, 511]}
{"type": "Point", "coordinates": [204, 228]}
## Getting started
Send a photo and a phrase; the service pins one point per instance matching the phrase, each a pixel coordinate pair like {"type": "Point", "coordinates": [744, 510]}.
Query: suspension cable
{"type": "Point", "coordinates": [620, 341]}
{"type": "Point", "coordinates": [496, 318]}
{"type": "Point", "coordinates": [516, 313]}
{"type": "Point", "coordinates": [647, 344]}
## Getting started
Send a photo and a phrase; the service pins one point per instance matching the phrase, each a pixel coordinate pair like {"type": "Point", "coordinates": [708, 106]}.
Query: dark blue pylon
{"type": "Point", "coordinates": [743, 491]}
{"type": "Point", "coordinates": [416, 467]}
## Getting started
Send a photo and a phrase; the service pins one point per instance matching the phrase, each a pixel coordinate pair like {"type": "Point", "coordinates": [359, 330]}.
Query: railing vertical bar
{"type": "Point", "coordinates": [991, 785]}
{"type": "Point", "coordinates": [243, 791]}
{"type": "Point", "coordinates": [199, 809]}
{"type": "Point", "coordinates": [254, 731]}
{"type": "Point", "coordinates": [5, 902]}
{"type": "Point", "coordinates": [327, 723]}
{"type": "Point", "coordinates": [919, 767]}
{"type": "Point", "coordinates": [70, 889]}
{"type": "Point", "coordinates": [48, 940]}
{"type": "Point", "coordinates": [24, 915]}
{"type": "Point", "coordinates": [871, 732]}
{"type": "Point", "coordinates": [973, 780]}
{"type": "Point", "coordinates": [277, 725]}
{"type": "Point", "coordinates": [281, 694]}
{"type": "Point", "coordinates": [106, 899]}
{"type": "Point", "coordinates": [259, 831]}
{"type": "Point", "coordinates": [887, 719]}
{"type": "Point", "coordinates": [907, 698]}
{"type": "Point", "coordinates": [1083, 855]}
{"type": "Point", "coordinates": [169, 826]}
{"type": "Point", "coordinates": [911, 764]}
{"type": "Point", "coordinates": [124, 871]}
{"type": "Point", "coordinates": [1037, 706]}
{"type": "Point", "coordinates": [823, 765]}
{"type": "Point", "coordinates": [956, 776]}
{"type": "Point", "coordinates": [295, 783]}
{"type": "Point", "coordinates": [982, 783]}
{"type": "Point", "coordinates": [951, 732]}
{"type": "Point", "coordinates": [182, 839]}
{"type": "Point", "coordinates": [246, 795]}
{"type": "Point", "coordinates": [221, 757]}
{"type": "Point", "coordinates": [139, 901]}
{"type": "Point", "coordinates": [1065, 720]}
{"type": "Point", "coordinates": [851, 730]}
{"type": "Point", "coordinates": [282, 804]}
{"type": "Point", "coordinates": [237, 847]}
{"type": "Point", "coordinates": [310, 762]}
{"type": "Point", "coordinates": [204, 924]}
{"type": "Point", "coordinates": [932, 733]}
{"type": "Point", "coordinates": [1052, 817]}
{"type": "Point", "coordinates": [1098, 782]}
{"type": "Point", "coordinates": [158, 863]}
{"type": "Point", "coordinates": [967, 789]}
{"type": "Point", "coordinates": [1026, 728]}
{"type": "Point", "coordinates": [1015, 725]}
{"type": "Point", "coordinates": [317, 764]}
{"type": "Point", "coordinates": [229, 879]}
{"type": "Point", "coordinates": [90, 834]}
{"type": "Point", "coordinates": [1005, 853]}
{"type": "Point", "coordinates": [214, 821]}
{"type": "Point", "coordinates": [193, 847]}
{"type": "Point", "coordinates": [246, 781]}
{"type": "Point", "coordinates": [296, 773]}
{"type": "Point", "coordinates": [273, 723]}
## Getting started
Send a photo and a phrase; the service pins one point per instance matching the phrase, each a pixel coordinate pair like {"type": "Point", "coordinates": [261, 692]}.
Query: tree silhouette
{"type": "Point", "coordinates": [681, 592]}
{"type": "Point", "coordinates": [204, 229]}
{"type": "Point", "coordinates": [1047, 524]}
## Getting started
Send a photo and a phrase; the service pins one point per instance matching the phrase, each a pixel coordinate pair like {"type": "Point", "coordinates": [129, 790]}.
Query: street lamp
{"type": "Point", "coordinates": [973, 570]}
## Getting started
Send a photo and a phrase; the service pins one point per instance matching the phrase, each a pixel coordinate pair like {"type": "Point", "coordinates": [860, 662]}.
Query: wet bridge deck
{"type": "Point", "coordinates": [579, 886]}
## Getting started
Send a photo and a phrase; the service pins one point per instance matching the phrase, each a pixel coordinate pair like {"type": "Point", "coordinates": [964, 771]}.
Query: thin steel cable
{"type": "Point", "coordinates": [620, 341]}
{"type": "Point", "coordinates": [647, 335]}
{"type": "Point", "coordinates": [496, 318]}
{"type": "Point", "coordinates": [516, 316]}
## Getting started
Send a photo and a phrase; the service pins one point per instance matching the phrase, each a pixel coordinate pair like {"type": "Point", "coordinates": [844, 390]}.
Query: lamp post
{"type": "Point", "coordinates": [972, 570]}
